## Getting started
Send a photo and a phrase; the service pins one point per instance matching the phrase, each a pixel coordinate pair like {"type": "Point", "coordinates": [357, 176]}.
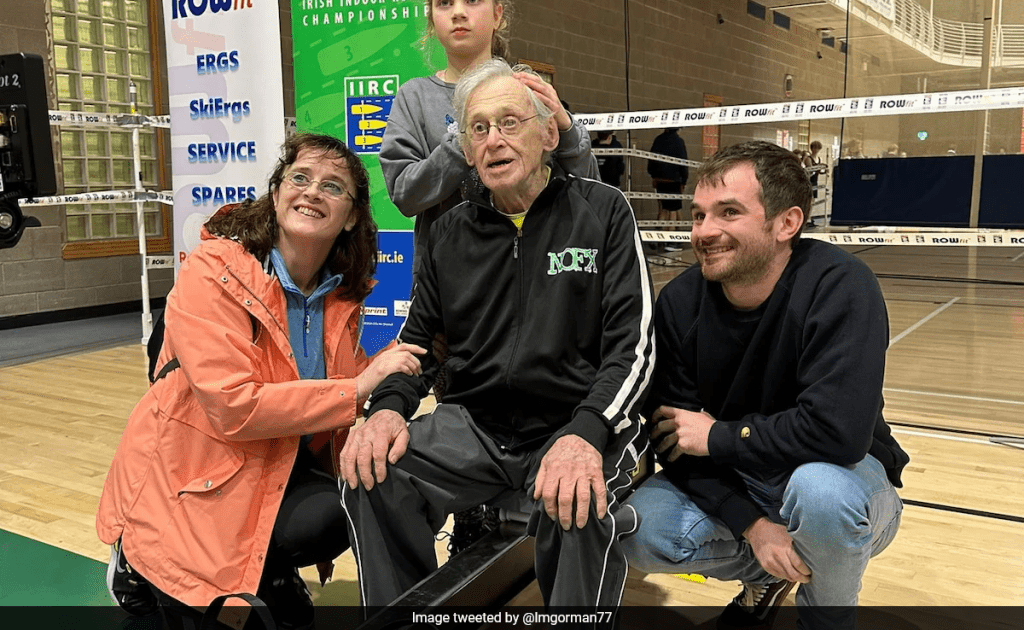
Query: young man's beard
{"type": "Point", "coordinates": [749, 262]}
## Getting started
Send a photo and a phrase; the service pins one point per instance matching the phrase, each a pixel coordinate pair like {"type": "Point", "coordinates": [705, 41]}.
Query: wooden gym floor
{"type": "Point", "coordinates": [954, 379]}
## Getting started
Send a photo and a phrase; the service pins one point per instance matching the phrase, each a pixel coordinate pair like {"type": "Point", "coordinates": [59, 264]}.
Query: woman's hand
{"type": "Point", "coordinates": [401, 358]}
{"type": "Point", "coordinates": [547, 94]}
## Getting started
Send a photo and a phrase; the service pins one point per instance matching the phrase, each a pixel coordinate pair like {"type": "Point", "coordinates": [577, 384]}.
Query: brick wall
{"type": "Point", "coordinates": [34, 277]}
{"type": "Point", "coordinates": [678, 51]}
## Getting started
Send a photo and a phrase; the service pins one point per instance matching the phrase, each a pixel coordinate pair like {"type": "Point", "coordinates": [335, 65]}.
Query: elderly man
{"type": "Point", "coordinates": [767, 404]}
{"type": "Point", "coordinates": [543, 293]}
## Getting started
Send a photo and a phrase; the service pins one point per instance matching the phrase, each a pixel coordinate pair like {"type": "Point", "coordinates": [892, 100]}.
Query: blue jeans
{"type": "Point", "coordinates": [839, 518]}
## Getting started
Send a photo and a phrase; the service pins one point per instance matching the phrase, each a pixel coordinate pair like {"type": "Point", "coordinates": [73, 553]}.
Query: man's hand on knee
{"type": "Point", "coordinates": [371, 447]}
{"type": "Point", "coordinates": [568, 476]}
{"type": "Point", "coordinates": [773, 547]}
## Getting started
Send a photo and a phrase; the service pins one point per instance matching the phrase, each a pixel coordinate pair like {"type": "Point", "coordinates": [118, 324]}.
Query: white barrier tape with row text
{"type": "Point", "coordinates": [95, 119]}
{"type": "Point", "coordinates": [857, 107]}
{"type": "Point", "coordinates": [935, 239]}
{"type": "Point", "coordinates": [104, 196]}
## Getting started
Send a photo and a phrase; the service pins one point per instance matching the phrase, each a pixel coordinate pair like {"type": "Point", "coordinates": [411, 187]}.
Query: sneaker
{"type": "Point", "coordinates": [673, 248]}
{"type": "Point", "coordinates": [755, 607]}
{"type": "Point", "coordinates": [127, 587]}
{"type": "Point", "coordinates": [470, 526]}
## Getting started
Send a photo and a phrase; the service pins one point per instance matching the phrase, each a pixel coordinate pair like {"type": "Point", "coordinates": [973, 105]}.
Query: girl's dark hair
{"type": "Point", "coordinates": [253, 223]}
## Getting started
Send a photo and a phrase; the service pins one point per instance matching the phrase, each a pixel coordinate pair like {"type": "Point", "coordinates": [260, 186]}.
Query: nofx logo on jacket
{"type": "Point", "coordinates": [573, 259]}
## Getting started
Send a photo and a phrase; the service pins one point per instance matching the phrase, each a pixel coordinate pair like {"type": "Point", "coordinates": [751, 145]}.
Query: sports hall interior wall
{"type": "Point", "coordinates": [882, 65]}
{"type": "Point", "coordinates": [678, 52]}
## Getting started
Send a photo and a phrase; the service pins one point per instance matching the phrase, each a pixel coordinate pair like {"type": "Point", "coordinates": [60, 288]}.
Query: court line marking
{"type": "Point", "coordinates": [1017, 257]}
{"type": "Point", "coordinates": [906, 332]}
{"type": "Point", "coordinates": [939, 436]}
{"type": "Point", "coordinates": [1007, 443]}
{"type": "Point", "coordinates": [942, 507]}
{"type": "Point", "coordinates": [988, 302]}
{"type": "Point", "coordinates": [951, 430]}
{"type": "Point", "coordinates": [957, 396]}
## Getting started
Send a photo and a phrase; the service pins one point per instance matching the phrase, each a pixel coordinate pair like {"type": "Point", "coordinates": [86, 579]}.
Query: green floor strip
{"type": "Point", "coordinates": [35, 574]}
{"type": "Point", "coordinates": [38, 582]}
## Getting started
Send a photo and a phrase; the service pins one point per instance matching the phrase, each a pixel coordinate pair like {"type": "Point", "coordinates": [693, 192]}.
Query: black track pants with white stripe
{"type": "Point", "coordinates": [452, 465]}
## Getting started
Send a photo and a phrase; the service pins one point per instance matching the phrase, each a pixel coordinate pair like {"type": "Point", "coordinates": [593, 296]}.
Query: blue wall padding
{"type": "Point", "coordinates": [920, 191]}
{"type": "Point", "coordinates": [1002, 192]}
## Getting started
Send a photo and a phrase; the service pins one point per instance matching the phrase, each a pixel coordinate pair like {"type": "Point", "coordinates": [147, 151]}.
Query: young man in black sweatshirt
{"type": "Point", "coordinates": [766, 404]}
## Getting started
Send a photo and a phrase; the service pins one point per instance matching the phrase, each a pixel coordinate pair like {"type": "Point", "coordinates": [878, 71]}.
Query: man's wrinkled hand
{"type": "Point", "coordinates": [371, 446]}
{"type": "Point", "coordinates": [569, 475]}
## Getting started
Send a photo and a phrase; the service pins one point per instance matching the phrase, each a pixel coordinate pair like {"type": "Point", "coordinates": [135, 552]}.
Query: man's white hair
{"type": "Point", "coordinates": [483, 74]}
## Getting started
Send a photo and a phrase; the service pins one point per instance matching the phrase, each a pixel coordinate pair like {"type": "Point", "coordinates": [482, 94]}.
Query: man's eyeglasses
{"type": "Point", "coordinates": [508, 126]}
{"type": "Point", "coordinates": [328, 187]}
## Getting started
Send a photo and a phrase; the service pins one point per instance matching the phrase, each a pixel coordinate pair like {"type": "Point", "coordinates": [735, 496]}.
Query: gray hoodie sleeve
{"type": "Point", "coordinates": [420, 156]}
{"type": "Point", "coordinates": [573, 152]}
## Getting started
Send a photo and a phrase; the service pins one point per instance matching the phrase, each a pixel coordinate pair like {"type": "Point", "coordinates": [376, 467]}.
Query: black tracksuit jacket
{"type": "Point", "coordinates": [550, 328]}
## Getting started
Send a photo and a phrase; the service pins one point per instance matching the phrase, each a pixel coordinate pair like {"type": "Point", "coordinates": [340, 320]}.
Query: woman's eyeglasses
{"type": "Point", "coordinates": [327, 187]}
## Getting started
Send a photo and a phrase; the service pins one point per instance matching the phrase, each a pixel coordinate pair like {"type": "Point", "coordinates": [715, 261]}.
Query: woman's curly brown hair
{"type": "Point", "coordinates": [253, 223]}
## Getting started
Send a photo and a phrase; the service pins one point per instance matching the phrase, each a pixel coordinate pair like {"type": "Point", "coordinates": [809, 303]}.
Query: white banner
{"type": "Point", "coordinates": [941, 239]}
{"type": "Point", "coordinates": [857, 107]}
{"type": "Point", "coordinates": [886, 8]}
{"type": "Point", "coordinates": [224, 79]}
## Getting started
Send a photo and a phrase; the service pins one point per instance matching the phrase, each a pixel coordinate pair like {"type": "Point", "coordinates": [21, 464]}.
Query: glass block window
{"type": "Point", "coordinates": [101, 48]}
{"type": "Point", "coordinates": [781, 20]}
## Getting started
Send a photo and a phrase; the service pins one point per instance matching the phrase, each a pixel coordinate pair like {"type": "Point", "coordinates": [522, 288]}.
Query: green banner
{"type": "Point", "coordinates": [350, 58]}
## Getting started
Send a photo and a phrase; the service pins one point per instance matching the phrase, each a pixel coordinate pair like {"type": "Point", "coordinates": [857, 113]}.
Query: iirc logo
{"type": "Point", "coordinates": [368, 102]}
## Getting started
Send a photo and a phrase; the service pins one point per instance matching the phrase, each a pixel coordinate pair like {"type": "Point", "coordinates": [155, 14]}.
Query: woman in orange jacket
{"type": "Point", "coordinates": [225, 480]}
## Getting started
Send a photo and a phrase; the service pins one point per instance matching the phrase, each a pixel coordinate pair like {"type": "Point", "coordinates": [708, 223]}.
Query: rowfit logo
{"type": "Point", "coordinates": [573, 259]}
{"type": "Point", "coordinates": [196, 8]}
